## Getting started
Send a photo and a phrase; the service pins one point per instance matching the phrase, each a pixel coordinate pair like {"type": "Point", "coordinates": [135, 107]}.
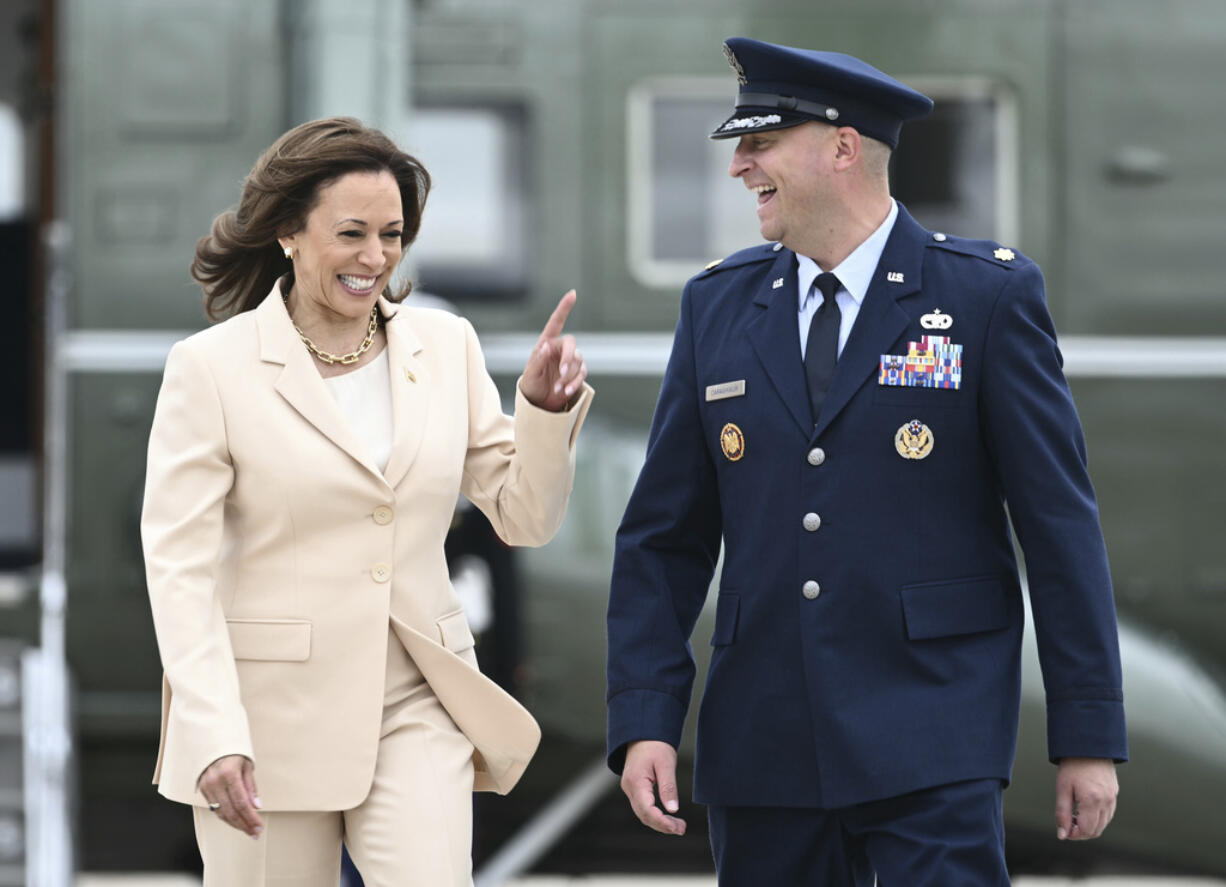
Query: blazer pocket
{"type": "Point", "coordinates": [909, 396]}
{"type": "Point", "coordinates": [727, 611]}
{"type": "Point", "coordinates": [966, 606]}
{"type": "Point", "coordinates": [454, 632]}
{"type": "Point", "coordinates": [283, 640]}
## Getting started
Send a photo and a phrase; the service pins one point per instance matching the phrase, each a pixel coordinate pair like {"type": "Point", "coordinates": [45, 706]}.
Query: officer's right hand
{"type": "Point", "coordinates": [228, 784]}
{"type": "Point", "coordinates": [651, 766]}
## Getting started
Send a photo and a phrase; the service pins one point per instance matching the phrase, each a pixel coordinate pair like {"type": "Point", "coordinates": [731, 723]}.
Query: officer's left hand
{"type": "Point", "coordinates": [1086, 789]}
{"type": "Point", "coordinates": [555, 371]}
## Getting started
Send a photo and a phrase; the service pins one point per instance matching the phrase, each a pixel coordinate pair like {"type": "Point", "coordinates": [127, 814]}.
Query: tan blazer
{"type": "Point", "coordinates": [276, 552]}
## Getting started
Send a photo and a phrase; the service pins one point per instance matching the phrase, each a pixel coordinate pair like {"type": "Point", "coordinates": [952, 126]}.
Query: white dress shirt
{"type": "Point", "coordinates": [855, 273]}
{"type": "Point", "coordinates": [365, 398]}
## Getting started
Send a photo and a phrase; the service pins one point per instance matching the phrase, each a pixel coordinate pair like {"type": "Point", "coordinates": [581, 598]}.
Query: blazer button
{"type": "Point", "coordinates": [811, 589]}
{"type": "Point", "coordinates": [817, 456]}
{"type": "Point", "coordinates": [812, 521]}
{"type": "Point", "coordinates": [383, 515]}
{"type": "Point", "coordinates": [380, 572]}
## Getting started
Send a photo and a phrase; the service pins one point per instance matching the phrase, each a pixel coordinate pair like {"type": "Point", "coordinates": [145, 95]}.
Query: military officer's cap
{"type": "Point", "coordinates": [781, 86]}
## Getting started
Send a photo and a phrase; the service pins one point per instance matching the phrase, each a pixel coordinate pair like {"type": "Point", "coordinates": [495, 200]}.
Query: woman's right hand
{"type": "Point", "coordinates": [230, 782]}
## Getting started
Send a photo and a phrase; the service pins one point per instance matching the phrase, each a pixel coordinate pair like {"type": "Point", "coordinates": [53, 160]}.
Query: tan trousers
{"type": "Point", "coordinates": [415, 826]}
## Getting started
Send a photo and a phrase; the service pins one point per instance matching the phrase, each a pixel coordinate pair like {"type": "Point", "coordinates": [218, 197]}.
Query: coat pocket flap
{"type": "Point", "coordinates": [454, 632]}
{"type": "Point", "coordinates": [963, 607]}
{"type": "Point", "coordinates": [285, 640]}
{"type": "Point", "coordinates": [727, 608]}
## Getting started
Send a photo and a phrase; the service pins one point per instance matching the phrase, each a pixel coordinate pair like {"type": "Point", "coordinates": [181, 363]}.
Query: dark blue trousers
{"type": "Point", "coordinates": [949, 836]}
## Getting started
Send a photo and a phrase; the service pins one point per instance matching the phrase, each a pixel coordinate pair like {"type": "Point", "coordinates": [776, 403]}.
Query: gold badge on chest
{"type": "Point", "coordinates": [914, 440]}
{"type": "Point", "coordinates": [732, 442]}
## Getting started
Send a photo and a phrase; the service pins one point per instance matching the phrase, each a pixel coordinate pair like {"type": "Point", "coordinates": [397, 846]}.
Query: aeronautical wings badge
{"type": "Point", "coordinates": [936, 320]}
{"type": "Point", "coordinates": [914, 440]}
{"type": "Point", "coordinates": [732, 442]}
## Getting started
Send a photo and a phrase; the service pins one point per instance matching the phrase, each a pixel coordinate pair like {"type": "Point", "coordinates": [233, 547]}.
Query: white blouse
{"type": "Point", "coordinates": [365, 398]}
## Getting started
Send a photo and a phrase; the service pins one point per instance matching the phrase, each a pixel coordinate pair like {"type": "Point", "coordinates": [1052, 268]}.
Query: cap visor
{"type": "Point", "coordinates": [757, 120]}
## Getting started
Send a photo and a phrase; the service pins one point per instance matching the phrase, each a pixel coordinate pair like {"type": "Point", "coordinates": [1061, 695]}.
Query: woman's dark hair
{"type": "Point", "coordinates": [238, 261]}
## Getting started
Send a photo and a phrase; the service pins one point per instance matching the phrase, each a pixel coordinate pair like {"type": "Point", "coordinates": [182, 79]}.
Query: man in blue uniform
{"type": "Point", "coordinates": [849, 410]}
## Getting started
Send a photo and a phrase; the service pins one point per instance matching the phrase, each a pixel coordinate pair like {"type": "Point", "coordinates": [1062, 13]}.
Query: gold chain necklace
{"type": "Point", "coordinates": [353, 356]}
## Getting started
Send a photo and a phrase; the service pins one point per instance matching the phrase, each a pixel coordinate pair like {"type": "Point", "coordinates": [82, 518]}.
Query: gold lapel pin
{"type": "Point", "coordinates": [732, 442]}
{"type": "Point", "coordinates": [408, 374]}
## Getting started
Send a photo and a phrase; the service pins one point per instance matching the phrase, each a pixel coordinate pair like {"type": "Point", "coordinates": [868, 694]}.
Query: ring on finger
{"type": "Point", "coordinates": [215, 806]}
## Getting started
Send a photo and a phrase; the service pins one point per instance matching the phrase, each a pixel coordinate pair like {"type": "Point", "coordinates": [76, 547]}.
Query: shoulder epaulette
{"type": "Point", "coordinates": [761, 253]}
{"type": "Point", "coordinates": [988, 250]}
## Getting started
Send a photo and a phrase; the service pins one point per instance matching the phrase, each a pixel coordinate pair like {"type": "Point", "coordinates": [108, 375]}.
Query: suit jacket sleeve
{"type": "Point", "coordinates": [188, 475]}
{"type": "Point", "coordinates": [665, 554]}
{"type": "Point", "coordinates": [1035, 438]}
{"type": "Point", "coordinates": [519, 471]}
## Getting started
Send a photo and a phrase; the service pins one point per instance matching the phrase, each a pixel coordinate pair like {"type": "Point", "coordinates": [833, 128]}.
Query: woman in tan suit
{"type": "Point", "coordinates": [305, 458]}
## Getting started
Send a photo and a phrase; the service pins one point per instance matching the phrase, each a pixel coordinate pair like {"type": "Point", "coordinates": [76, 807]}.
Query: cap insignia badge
{"type": "Point", "coordinates": [736, 66]}
{"type": "Point", "coordinates": [1005, 254]}
{"type": "Point", "coordinates": [936, 320]}
{"type": "Point", "coordinates": [732, 442]}
{"type": "Point", "coordinates": [913, 440]}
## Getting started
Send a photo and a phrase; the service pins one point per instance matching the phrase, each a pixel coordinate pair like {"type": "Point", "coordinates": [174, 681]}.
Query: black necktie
{"type": "Point", "coordinates": [822, 350]}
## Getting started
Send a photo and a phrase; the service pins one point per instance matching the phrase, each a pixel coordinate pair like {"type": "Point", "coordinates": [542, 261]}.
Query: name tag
{"type": "Point", "coordinates": [726, 389]}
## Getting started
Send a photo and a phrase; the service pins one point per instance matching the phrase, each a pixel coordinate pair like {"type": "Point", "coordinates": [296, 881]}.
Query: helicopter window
{"type": "Point", "coordinates": [957, 172]}
{"type": "Point", "coordinates": [472, 243]}
{"type": "Point", "coordinates": [11, 164]}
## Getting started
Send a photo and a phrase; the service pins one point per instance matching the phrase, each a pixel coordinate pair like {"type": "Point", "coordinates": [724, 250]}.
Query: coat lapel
{"type": "Point", "coordinates": [300, 383]}
{"type": "Point", "coordinates": [410, 392]}
{"type": "Point", "coordinates": [880, 321]}
{"type": "Point", "coordinates": [775, 336]}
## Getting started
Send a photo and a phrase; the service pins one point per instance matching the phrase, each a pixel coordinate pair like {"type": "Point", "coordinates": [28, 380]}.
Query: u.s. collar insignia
{"type": "Point", "coordinates": [1005, 254]}
{"type": "Point", "coordinates": [732, 442]}
{"type": "Point", "coordinates": [914, 440]}
{"type": "Point", "coordinates": [895, 277]}
{"type": "Point", "coordinates": [936, 320]}
{"type": "Point", "coordinates": [741, 79]}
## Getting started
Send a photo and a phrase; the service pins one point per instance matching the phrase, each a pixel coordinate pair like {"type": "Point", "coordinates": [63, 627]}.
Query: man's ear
{"type": "Point", "coordinates": [847, 148]}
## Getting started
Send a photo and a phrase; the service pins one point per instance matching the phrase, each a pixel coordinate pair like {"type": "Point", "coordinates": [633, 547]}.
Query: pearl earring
{"type": "Point", "coordinates": [289, 253]}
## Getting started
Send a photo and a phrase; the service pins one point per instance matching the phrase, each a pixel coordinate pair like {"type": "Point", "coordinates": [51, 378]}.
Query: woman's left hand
{"type": "Point", "coordinates": [555, 371]}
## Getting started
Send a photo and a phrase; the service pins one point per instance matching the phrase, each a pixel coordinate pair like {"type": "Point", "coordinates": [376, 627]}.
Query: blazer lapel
{"type": "Point", "coordinates": [880, 321]}
{"type": "Point", "coordinates": [775, 336]}
{"type": "Point", "coordinates": [410, 392]}
{"type": "Point", "coordinates": [300, 383]}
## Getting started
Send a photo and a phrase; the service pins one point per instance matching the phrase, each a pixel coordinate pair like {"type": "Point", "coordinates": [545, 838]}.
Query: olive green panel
{"type": "Point", "coordinates": [110, 631]}
{"type": "Point", "coordinates": [166, 107]}
{"type": "Point", "coordinates": [1155, 459]}
{"type": "Point", "coordinates": [1145, 186]}
{"type": "Point", "coordinates": [530, 56]}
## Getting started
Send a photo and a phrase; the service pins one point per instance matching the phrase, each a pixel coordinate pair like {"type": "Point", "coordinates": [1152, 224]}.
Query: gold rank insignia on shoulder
{"type": "Point", "coordinates": [711, 265]}
{"type": "Point", "coordinates": [732, 442]}
{"type": "Point", "coordinates": [914, 440]}
{"type": "Point", "coordinates": [1005, 254]}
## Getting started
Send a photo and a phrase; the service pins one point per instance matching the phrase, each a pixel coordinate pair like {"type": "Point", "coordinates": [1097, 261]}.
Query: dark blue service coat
{"type": "Point", "coordinates": [903, 671]}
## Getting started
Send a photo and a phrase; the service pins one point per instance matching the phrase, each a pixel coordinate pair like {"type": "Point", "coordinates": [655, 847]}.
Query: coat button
{"type": "Point", "coordinates": [812, 521]}
{"type": "Point", "coordinates": [381, 572]}
{"type": "Point", "coordinates": [383, 515]}
{"type": "Point", "coordinates": [811, 589]}
{"type": "Point", "coordinates": [817, 456]}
